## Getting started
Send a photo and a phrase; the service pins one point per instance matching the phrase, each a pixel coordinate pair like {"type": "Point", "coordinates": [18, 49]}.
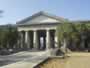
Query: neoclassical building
{"type": "Point", "coordinates": [39, 31]}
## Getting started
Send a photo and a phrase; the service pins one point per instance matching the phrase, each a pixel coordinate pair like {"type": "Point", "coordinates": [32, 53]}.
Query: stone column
{"type": "Point", "coordinates": [21, 40]}
{"type": "Point", "coordinates": [47, 39]}
{"type": "Point", "coordinates": [27, 39]}
{"type": "Point", "coordinates": [35, 40]}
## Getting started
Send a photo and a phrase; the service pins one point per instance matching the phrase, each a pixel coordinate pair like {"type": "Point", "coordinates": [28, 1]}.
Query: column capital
{"type": "Point", "coordinates": [26, 31]}
{"type": "Point", "coordinates": [47, 29]}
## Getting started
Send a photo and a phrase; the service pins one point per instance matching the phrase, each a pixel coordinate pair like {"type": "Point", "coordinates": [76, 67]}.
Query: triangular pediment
{"type": "Point", "coordinates": [40, 18]}
{"type": "Point", "coordinates": [43, 19]}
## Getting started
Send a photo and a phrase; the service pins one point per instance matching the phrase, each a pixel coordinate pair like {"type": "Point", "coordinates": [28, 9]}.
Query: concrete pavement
{"type": "Point", "coordinates": [25, 57]}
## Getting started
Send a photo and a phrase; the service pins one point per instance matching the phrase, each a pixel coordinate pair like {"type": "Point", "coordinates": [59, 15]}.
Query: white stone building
{"type": "Point", "coordinates": [38, 31]}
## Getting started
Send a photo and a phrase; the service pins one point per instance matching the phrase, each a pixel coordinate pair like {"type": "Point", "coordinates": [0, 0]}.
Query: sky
{"type": "Point", "coordinates": [16, 10]}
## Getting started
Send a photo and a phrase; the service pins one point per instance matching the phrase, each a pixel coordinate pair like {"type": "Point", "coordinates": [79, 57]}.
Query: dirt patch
{"type": "Point", "coordinates": [53, 63]}
{"type": "Point", "coordinates": [75, 61]}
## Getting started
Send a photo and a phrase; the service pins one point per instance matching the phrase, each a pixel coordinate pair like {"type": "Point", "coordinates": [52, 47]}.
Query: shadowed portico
{"type": "Point", "coordinates": [37, 39]}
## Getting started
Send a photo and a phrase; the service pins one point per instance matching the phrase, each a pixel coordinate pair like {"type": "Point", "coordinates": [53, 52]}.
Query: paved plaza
{"type": "Point", "coordinates": [22, 58]}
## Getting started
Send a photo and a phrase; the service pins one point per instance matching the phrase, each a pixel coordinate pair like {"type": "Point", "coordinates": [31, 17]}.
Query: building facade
{"type": "Point", "coordinates": [39, 31]}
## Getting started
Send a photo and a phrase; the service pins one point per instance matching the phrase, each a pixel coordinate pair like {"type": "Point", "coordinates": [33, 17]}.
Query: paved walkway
{"type": "Point", "coordinates": [22, 59]}
{"type": "Point", "coordinates": [76, 60]}
{"type": "Point", "coordinates": [28, 63]}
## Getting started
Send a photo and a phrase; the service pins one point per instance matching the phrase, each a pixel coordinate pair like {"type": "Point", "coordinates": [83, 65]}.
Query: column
{"type": "Point", "coordinates": [21, 40]}
{"type": "Point", "coordinates": [27, 39]}
{"type": "Point", "coordinates": [47, 39]}
{"type": "Point", "coordinates": [35, 40]}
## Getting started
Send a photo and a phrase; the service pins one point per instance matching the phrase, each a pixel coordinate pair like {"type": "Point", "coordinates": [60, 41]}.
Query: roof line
{"type": "Point", "coordinates": [38, 14]}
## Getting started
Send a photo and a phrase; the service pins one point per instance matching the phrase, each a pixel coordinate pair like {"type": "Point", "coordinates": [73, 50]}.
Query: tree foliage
{"type": "Point", "coordinates": [8, 37]}
{"type": "Point", "coordinates": [63, 31]}
{"type": "Point", "coordinates": [74, 33]}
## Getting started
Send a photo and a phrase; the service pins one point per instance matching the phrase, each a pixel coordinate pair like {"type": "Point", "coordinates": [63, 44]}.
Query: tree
{"type": "Point", "coordinates": [12, 36]}
{"type": "Point", "coordinates": [74, 37]}
{"type": "Point", "coordinates": [9, 36]}
{"type": "Point", "coordinates": [84, 36]}
{"type": "Point", "coordinates": [63, 34]}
